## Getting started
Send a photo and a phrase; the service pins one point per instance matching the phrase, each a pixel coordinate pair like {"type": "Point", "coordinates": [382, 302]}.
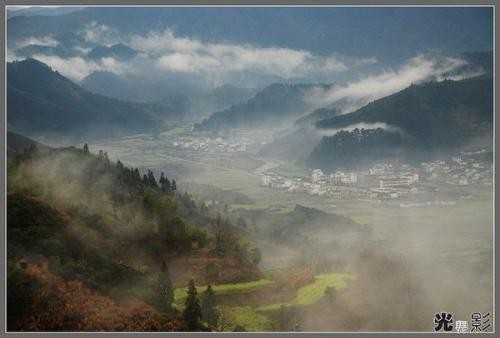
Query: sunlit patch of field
{"type": "Point", "coordinates": [250, 319]}
{"type": "Point", "coordinates": [312, 293]}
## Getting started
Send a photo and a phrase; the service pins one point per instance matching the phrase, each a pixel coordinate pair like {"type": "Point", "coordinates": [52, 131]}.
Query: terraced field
{"type": "Point", "coordinates": [222, 289]}
{"type": "Point", "coordinates": [258, 318]}
{"type": "Point", "coordinates": [311, 293]}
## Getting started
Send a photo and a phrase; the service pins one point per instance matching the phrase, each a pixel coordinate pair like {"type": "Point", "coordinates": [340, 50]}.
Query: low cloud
{"type": "Point", "coordinates": [96, 33]}
{"type": "Point", "coordinates": [180, 54]}
{"type": "Point", "coordinates": [163, 53]}
{"type": "Point", "coordinates": [48, 41]}
{"type": "Point", "coordinates": [77, 68]}
{"type": "Point", "coordinates": [360, 92]}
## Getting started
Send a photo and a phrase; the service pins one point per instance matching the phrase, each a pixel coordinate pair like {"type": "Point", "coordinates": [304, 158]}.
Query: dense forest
{"type": "Point", "coordinates": [94, 245]}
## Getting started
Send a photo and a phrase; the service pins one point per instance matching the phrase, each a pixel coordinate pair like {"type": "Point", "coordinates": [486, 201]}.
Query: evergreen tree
{"type": "Point", "coordinates": [165, 289]}
{"type": "Point", "coordinates": [209, 311]}
{"type": "Point", "coordinates": [162, 180]}
{"type": "Point", "coordinates": [192, 308]}
{"type": "Point", "coordinates": [151, 179]}
{"type": "Point", "coordinates": [174, 186]}
{"type": "Point", "coordinates": [119, 165]}
{"type": "Point", "coordinates": [85, 148]}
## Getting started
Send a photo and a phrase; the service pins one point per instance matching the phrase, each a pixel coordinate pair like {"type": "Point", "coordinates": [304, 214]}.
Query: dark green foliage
{"type": "Point", "coordinates": [34, 227]}
{"type": "Point", "coordinates": [209, 312]}
{"type": "Point", "coordinates": [358, 148]}
{"type": "Point", "coordinates": [165, 290]}
{"type": "Point", "coordinates": [192, 308]}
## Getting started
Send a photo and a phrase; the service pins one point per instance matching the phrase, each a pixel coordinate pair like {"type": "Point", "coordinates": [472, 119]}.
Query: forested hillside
{"type": "Point", "coordinates": [99, 231]}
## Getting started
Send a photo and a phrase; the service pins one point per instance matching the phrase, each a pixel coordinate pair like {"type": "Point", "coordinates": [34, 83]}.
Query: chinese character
{"type": "Point", "coordinates": [443, 321]}
{"type": "Point", "coordinates": [461, 326]}
{"type": "Point", "coordinates": [480, 322]}
{"type": "Point", "coordinates": [476, 322]}
{"type": "Point", "coordinates": [486, 322]}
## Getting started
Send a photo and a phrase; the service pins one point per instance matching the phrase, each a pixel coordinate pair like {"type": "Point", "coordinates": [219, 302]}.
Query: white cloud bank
{"type": "Point", "coordinates": [216, 63]}
{"type": "Point", "coordinates": [358, 93]}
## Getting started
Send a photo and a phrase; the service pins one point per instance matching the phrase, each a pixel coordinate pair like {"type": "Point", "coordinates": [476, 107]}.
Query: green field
{"type": "Point", "coordinates": [223, 289]}
{"type": "Point", "coordinates": [311, 293]}
{"type": "Point", "coordinates": [250, 319]}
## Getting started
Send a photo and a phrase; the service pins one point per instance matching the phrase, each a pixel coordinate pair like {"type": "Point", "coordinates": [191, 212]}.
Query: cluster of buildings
{"type": "Point", "coordinates": [218, 144]}
{"type": "Point", "coordinates": [463, 169]}
{"type": "Point", "coordinates": [380, 182]}
{"type": "Point", "coordinates": [386, 181]}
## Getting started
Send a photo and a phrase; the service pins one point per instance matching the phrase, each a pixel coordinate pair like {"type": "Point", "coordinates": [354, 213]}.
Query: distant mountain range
{"type": "Point", "coordinates": [118, 51]}
{"type": "Point", "coordinates": [43, 103]}
{"type": "Point", "coordinates": [197, 103]}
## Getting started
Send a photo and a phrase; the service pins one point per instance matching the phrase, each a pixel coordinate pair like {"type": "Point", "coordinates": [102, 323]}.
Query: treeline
{"type": "Point", "coordinates": [358, 148]}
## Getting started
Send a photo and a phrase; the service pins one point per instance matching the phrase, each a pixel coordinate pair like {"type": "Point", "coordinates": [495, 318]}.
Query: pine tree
{"type": "Point", "coordinates": [151, 179]}
{"type": "Point", "coordinates": [174, 186]}
{"type": "Point", "coordinates": [119, 165]}
{"type": "Point", "coordinates": [192, 309]}
{"type": "Point", "coordinates": [209, 312]}
{"type": "Point", "coordinates": [85, 148]}
{"type": "Point", "coordinates": [162, 180]}
{"type": "Point", "coordinates": [165, 289]}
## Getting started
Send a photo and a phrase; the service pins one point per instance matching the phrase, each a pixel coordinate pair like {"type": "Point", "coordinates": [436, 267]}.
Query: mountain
{"type": "Point", "coordinates": [44, 104]}
{"type": "Point", "coordinates": [19, 143]}
{"type": "Point", "coordinates": [419, 120]}
{"type": "Point", "coordinates": [322, 31]}
{"type": "Point", "coordinates": [118, 51]}
{"type": "Point", "coordinates": [273, 105]}
{"type": "Point", "coordinates": [317, 115]}
{"type": "Point", "coordinates": [197, 102]}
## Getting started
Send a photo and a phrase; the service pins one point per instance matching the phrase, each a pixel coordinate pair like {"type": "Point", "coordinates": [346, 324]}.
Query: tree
{"type": "Point", "coordinates": [209, 312]}
{"type": "Point", "coordinates": [174, 186]}
{"type": "Point", "coordinates": [85, 148]}
{"type": "Point", "coordinates": [165, 289]}
{"type": "Point", "coordinates": [164, 183]}
{"type": "Point", "coordinates": [192, 308]}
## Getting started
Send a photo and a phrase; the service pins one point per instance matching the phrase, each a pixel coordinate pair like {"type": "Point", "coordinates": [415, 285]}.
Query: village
{"type": "Point", "coordinates": [215, 145]}
{"type": "Point", "coordinates": [392, 183]}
